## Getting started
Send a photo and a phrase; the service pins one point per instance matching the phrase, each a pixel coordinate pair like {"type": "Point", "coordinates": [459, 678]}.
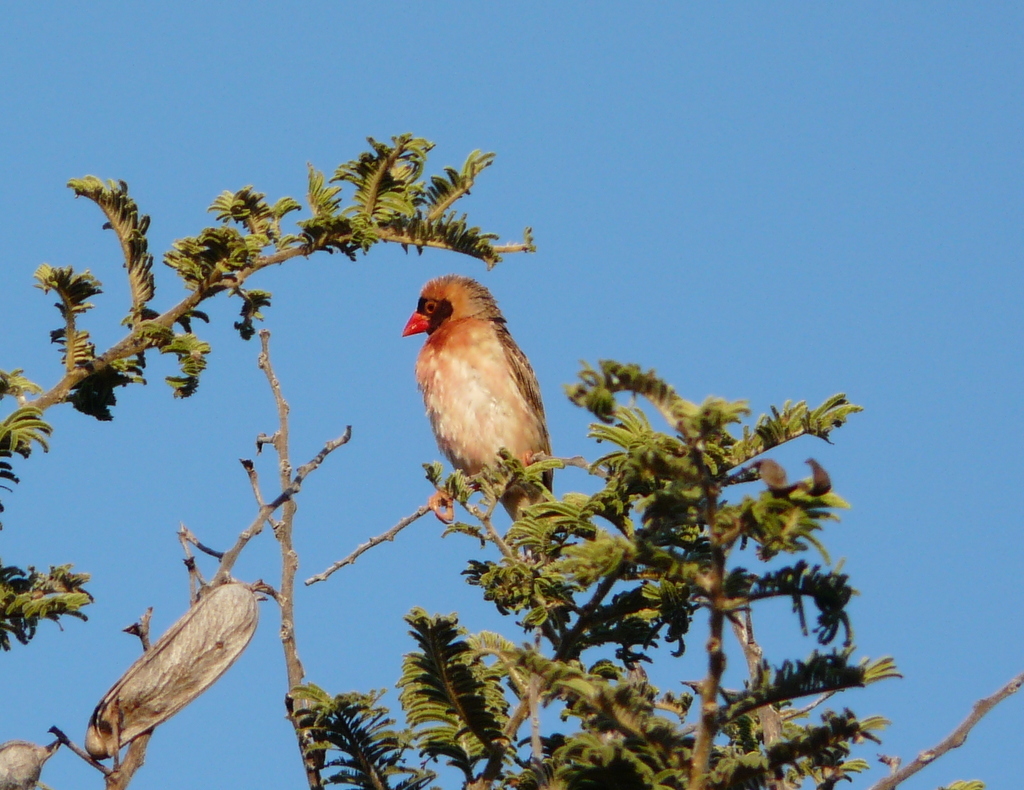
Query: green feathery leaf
{"type": "Point", "coordinates": [454, 184]}
{"type": "Point", "coordinates": [452, 699]}
{"type": "Point", "coordinates": [793, 420]}
{"type": "Point", "coordinates": [73, 290]}
{"type": "Point", "coordinates": [15, 385]}
{"type": "Point", "coordinates": [191, 353]}
{"type": "Point", "coordinates": [353, 724]}
{"type": "Point", "coordinates": [829, 590]}
{"type": "Point", "coordinates": [819, 674]}
{"type": "Point", "coordinates": [253, 301]}
{"type": "Point", "coordinates": [386, 178]}
{"type": "Point", "coordinates": [26, 597]}
{"type": "Point", "coordinates": [124, 219]}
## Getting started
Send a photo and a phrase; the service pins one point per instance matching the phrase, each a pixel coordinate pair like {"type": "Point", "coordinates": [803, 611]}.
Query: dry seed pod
{"type": "Point", "coordinates": [821, 483]}
{"type": "Point", "coordinates": [21, 763]}
{"type": "Point", "coordinates": [183, 663]}
{"type": "Point", "coordinates": [774, 476]}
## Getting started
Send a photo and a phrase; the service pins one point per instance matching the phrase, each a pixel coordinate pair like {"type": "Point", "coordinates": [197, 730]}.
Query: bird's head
{"type": "Point", "coordinates": [451, 298]}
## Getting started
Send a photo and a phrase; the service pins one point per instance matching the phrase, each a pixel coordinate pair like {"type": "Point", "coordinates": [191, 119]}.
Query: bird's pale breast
{"type": "Point", "coordinates": [473, 401]}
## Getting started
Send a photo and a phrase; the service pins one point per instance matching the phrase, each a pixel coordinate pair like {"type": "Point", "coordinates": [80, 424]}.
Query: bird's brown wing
{"type": "Point", "coordinates": [526, 381]}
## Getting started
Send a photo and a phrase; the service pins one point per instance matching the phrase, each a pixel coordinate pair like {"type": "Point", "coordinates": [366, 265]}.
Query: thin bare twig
{"type": "Point", "coordinates": [707, 725]}
{"type": "Point", "coordinates": [196, 582]}
{"type": "Point", "coordinates": [768, 715]}
{"type": "Point", "coordinates": [954, 739]}
{"type": "Point", "coordinates": [254, 478]}
{"type": "Point", "coordinates": [577, 460]}
{"type": "Point", "coordinates": [289, 558]}
{"type": "Point", "coordinates": [364, 547]}
{"type": "Point", "coordinates": [185, 535]}
{"type": "Point", "coordinates": [484, 517]}
{"type": "Point", "coordinates": [230, 557]}
{"type": "Point", "coordinates": [64, 739]}
{"type": "Point", "coordinates": [797, 712]}
{"type": "Point", "coordinates": [515, 246]}
{"type": "Point", "coordinates": [536, 746]}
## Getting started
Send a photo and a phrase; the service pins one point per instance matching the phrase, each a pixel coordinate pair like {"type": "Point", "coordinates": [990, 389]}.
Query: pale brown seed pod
{"type": "Point", "coordinates": [821, 483]}
{"type": "Point", "coordinates": [181, 665]}
{"type": "Point", "coordinates": [21, 762]}
{"type": "Point", "coordinates": [774, 476]}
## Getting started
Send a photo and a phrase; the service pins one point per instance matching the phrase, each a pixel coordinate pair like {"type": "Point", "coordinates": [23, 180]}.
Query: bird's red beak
{"type": "Point", "coordinates": [417, 323]}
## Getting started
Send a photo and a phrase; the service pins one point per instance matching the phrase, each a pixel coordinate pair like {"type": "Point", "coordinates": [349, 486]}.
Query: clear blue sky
{"type": "Point", "coordinates": [760, 201]}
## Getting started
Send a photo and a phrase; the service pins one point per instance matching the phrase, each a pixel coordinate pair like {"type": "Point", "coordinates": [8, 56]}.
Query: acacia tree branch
{"type": "Point", "coordinates": [583, 621]}
{"type": "Point", "coordinates": [289, 558]}
{"type": "Point", "coordinates": [64, 739]}
{"type": "Point", "coordinates": [768, 715]}
{"type": "Point", "coordinates": [709, 687]}
{"type": "Point", "coordinates": [536, 745]}
{"type": "Point", "coordinates": [955, 739]}
{"type": "Point", "coordinates": [743, 629]}
{"type": "Point", "coordinates": [136, 341]}
{"type": "Point", "coordinates": [364, 547]}
{"type": "Point", "coordinates": [186, 536]}
{"type": "Point", "coordinates": [497, 759]}
{"type": "Point", "coordinates": [267, 509]}
{"type": "Point", "coordinates": [121, 776]}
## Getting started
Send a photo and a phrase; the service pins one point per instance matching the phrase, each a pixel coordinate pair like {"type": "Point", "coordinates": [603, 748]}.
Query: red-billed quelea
{"type": "Point", "coordinates": [479, 389]}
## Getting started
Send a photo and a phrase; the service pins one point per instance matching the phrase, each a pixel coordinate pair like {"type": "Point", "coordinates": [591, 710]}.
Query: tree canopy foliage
{"type": "Point", "coordinates": [692, 526]}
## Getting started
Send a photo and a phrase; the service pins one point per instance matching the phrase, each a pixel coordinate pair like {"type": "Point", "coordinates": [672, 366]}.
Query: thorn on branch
{"type": "Point", "coordinates": [141, 629]}
{"type": "Point", "coordinates": [260, 586]}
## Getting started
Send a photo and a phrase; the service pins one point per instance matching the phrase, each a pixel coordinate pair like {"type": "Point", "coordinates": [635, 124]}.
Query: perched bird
{"type": "Point", "coordinates": [479, 389]}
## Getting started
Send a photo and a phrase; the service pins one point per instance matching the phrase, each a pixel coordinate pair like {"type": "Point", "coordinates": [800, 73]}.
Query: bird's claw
{"type": "Point", "coordinates": [443, 506]}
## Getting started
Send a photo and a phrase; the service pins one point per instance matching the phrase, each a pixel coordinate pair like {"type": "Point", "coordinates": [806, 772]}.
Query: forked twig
{"type": "Point", "coordinates": [185, 535]}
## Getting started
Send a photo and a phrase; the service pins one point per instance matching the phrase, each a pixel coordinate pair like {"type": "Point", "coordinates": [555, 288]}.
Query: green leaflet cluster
{"type": "Point", "coordinates": [26, 597]}
{"type": "Point", "coordinates": [603, 580]}
{"type": "Point", "coordinates": [391, 201]}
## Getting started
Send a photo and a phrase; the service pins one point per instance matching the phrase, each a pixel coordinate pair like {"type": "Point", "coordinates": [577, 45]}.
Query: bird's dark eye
{"type": "Point", "coordinates": [429, 306]}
